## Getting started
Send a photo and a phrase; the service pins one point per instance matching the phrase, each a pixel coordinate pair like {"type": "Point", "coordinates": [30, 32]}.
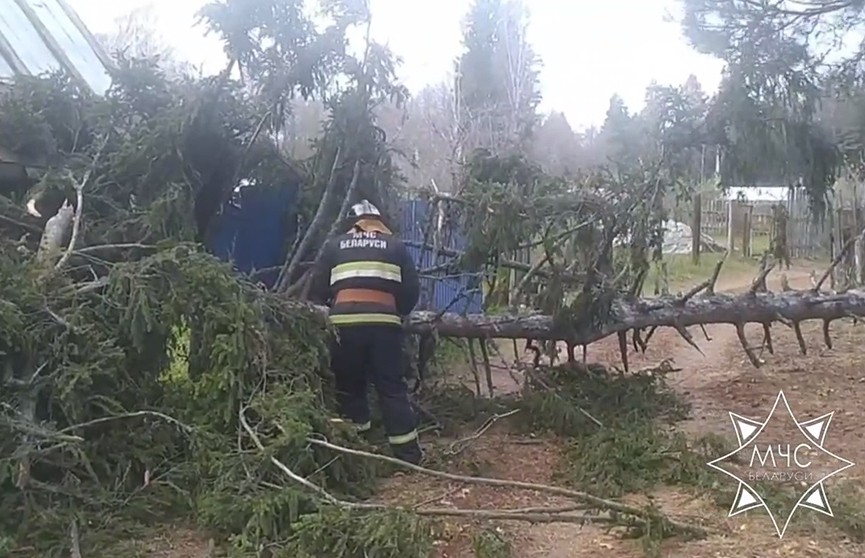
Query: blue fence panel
{"type": "Point", "coordinates": [221, 240]}
{"type": "Point", "coordinates": [254, 235]}
{"type": "Point", "coordinates": [461, 294]}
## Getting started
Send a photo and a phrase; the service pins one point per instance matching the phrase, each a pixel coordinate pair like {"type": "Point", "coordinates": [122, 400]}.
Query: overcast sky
{"type": "Point", "coordinates": [591, 49]}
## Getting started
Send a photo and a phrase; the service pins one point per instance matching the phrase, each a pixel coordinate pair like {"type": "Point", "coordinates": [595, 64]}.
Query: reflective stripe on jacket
{"type": "Point", "coordinates": [367, 260]}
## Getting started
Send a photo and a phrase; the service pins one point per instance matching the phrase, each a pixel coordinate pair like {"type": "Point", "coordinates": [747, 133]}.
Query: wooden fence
{"type": "Point", "coordinates": [848, 220]}
{"type": "Point", "coordinates": [752, 230]}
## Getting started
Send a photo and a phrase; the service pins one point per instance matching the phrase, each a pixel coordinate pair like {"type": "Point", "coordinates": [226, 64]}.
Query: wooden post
{"type": "Point", "coordinates": [697, 228]}
{"type": "Point", "coordinates": [512, 281]}
{"type": "Point", "coordinates": [746, 230]}
{"type": "Point", "coordinates": [838, 233]}
{"type": "Point", "coordinates": [773, 225]}
{"type": "Point", "coordinates": [790, 225]}
{"type": "Point", "coordinates": [730, 226]}
{"type": "Point", "coordinates": [857, 227]}
{"type": "Point", "coordinates": [697, 222]}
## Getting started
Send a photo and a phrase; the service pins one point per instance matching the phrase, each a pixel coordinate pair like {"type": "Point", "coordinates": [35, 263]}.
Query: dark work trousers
{"type": "Point", "coordinates": [373, 353]}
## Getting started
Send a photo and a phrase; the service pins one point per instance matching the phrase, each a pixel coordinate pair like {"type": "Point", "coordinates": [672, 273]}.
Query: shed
{"type": "Point", "coordinates": [41, 36]}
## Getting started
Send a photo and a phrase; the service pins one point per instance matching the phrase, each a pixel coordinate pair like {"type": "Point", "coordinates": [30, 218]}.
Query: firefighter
{"type": "Point", "coordinates": [370, 282]}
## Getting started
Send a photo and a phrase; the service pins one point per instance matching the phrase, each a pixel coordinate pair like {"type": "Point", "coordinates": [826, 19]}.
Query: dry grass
{"type": "Point", "coordinates": [682, 272]}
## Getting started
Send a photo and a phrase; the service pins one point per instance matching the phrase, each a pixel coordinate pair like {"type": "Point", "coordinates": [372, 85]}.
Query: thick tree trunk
{"type": "Point", "coordinates": [789, 307]}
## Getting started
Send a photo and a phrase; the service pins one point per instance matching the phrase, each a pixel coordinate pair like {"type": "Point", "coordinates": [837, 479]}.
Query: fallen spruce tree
{"type": "Point", "coordinates": [626, 315]}
{"type": "Point", "coordinates": [634, 315]}
{"type": "Point", "coordinates": [144, 380]}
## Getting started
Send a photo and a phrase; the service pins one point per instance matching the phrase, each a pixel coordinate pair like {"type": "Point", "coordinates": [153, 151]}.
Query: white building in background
{"type": "Point", "coordinates": [752, 194]}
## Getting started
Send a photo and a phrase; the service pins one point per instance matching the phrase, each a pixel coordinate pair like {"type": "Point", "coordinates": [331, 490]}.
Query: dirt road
{"type": "Point", "coordinates": [715, 382]}
{"type": "Point", "coordinates": [721, 380]}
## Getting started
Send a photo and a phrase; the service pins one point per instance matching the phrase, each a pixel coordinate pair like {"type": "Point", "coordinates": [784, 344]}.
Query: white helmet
{"type": "Point", "coordinates": [363, 209]}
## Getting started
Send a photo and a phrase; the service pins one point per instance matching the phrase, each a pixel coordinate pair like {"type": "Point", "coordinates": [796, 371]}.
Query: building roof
{"type": "Point", "coordinates": [39, 36]}
{"type": "Point", "coordinates": [758, 193]}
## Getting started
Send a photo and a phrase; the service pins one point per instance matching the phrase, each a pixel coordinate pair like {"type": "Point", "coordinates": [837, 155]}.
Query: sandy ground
{"type": "Point", "coordinates": [715, 382]}
{"type": "Point", "coordinates": [724, 380]}
{"type": "Point", "coordinates": [720, 380]}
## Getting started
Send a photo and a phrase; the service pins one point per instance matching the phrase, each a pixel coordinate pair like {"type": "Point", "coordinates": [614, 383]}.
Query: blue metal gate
{"type": "Point", "coordinates": [439, 292]}
{"type": "Point", "coordinates": [254, 234]}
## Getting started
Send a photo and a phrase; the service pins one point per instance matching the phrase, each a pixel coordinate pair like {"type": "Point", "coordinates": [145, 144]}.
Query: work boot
{"type": "Point", "coordinates": [410, 453]}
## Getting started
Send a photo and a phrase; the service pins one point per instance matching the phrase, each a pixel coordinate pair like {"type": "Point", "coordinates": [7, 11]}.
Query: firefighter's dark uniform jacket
{"type": "Point", "coordinates": [364, 260]}
{"type": "Point", "coordinates": [370, 281]}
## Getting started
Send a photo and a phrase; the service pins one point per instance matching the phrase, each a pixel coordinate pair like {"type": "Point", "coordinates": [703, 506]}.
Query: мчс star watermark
{"type": "Point", "coordinates": [794, 459]}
